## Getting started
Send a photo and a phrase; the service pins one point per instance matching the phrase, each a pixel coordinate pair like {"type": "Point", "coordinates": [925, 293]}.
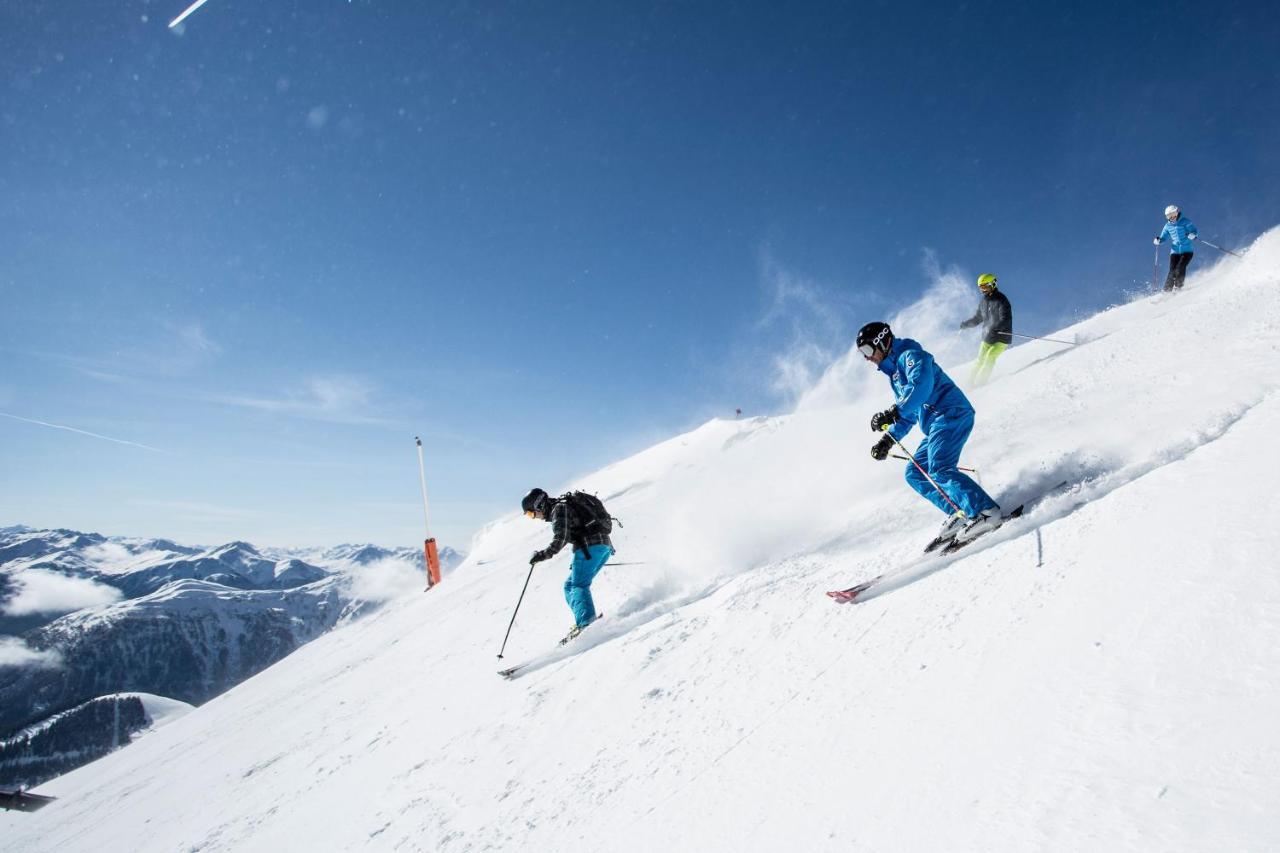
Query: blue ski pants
{"type": "Point", "coordinates": [939, 454]}
{"type": "Point", "coordinates": [577, 589]}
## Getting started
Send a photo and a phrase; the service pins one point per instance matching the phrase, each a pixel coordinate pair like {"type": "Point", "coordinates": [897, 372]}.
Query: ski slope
{"type": "Point", "coordinates": [1103, 675]}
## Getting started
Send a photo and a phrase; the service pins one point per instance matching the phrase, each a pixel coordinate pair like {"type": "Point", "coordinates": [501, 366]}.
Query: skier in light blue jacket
{"type": "Point", "coordinates": [1181, 233]}
{"type": "Point", "coordinates": [927, 397]}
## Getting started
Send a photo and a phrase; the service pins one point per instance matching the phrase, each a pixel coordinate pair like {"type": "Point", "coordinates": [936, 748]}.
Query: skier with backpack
{"type": "Point", "coordinates": [581, 520]}
{"type": "Point", "coordinates": [927, 397]}
{"type": "Point", "coordinates": [996, 317]}
{"type": "Point", "coordinates": [1182, 233]}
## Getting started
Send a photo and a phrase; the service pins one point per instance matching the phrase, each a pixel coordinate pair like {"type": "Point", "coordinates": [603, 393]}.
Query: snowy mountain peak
{"type": "Point", "coordinates": [234, 552]}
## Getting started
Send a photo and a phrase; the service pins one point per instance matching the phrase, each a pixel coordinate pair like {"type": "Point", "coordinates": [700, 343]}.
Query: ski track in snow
{"type": "Point", "coordinates": [1097, 675]}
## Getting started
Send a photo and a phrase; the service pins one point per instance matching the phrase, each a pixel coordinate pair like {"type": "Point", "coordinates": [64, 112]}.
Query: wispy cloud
{"type": "Point", "coordinates": [103, 376]}
{"type": "Point", "coordinates": [176, 349]}
{"type": "Point", "coordinates": [83, 432]}
{"type": "Point", "coordinates": [41, 591]}
{"type": "Point", "coordinates": [339, 399]}
{"type": "Point", "coordinates": [158, 349]}
{"type": "Point", "coordinates": [14, 652]}
{"type": "Point", "coordinates": [193, 340]}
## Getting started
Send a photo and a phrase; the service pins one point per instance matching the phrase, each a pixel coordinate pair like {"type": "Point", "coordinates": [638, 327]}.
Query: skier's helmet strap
{"type": "Point", "coordinates": [874, 337]}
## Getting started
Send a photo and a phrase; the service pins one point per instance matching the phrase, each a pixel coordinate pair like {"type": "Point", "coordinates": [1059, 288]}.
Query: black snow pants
{"type": "Point", "coordinates": [1177, 270]}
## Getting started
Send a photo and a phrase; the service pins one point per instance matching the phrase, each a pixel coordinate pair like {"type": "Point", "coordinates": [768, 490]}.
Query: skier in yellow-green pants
{"type": "Point", "coordinates": [987, 355]}
{"type": "Point", "coordinates": [996, 316]}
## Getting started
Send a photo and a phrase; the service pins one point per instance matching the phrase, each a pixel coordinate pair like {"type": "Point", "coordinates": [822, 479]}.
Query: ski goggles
{"type": "Point", "coordinates": [867, 350]}
{"type": "Point", "coordinates": [528, 513]}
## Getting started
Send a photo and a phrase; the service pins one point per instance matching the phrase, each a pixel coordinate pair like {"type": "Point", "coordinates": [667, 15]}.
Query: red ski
{"type": "Point", "coordinates": [844, 596]}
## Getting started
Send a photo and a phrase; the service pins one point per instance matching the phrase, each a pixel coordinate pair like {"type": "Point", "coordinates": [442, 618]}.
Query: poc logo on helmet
{"type": "Point", "coordinates": [874, 337]}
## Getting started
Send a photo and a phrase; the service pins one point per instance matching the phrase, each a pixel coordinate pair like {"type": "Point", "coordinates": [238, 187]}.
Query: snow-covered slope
{"type": "Point", "coordinates": [1101, 676]}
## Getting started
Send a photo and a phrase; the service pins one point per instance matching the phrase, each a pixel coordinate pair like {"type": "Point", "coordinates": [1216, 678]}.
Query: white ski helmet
{"type": "Point", "coordinates": [1172, 212]}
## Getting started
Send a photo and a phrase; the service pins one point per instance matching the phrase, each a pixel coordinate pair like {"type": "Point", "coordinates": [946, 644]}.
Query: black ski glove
{"type": "Point", "coordinates": [537, 557]}
{"type": "Point", "coordinates": [880, 451]}
{"type": "Point", "coordinates": [880, 420]}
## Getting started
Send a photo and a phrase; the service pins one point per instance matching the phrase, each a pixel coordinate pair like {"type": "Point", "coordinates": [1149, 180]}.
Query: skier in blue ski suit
{"type": "Point", "coordinates": [927, 397]}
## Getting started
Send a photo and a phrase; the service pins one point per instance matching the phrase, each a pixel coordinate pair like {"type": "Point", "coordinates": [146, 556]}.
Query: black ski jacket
{"type": "Point", "coordinates": [567, 527]}
{"type": "Point", "coordinates": [996, 317]}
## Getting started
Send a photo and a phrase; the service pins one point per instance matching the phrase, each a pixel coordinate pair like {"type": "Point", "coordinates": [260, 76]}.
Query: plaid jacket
{"type": "Point", "coordinates": [567, 527]}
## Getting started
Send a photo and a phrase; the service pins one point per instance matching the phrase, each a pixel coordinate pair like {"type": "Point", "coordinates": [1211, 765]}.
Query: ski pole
{"type": "Point", "coordinates": [514, 612]}
{"type": "Point", "coordinates": [1155, 270]}
{"type": "Point", "coordinates": [1220, 249]}
{"type": "Point", "coordinates": [895, 456]}
{"type": "Point", "coordinates": [1050, 340]}
{"type": "Point", "coordinates": [945, 497]}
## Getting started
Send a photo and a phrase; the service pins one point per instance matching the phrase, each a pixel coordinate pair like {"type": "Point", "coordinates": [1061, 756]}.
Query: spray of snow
{"type": "Point", "coordinates": [810, 318]}
{"type": "Point", "coordinates": [932, 320]}
{"type": "Point", "coordinates": [384, 580]}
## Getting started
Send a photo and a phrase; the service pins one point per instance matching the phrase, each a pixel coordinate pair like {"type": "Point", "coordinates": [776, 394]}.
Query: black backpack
{"type": "Point", "coordinates": [591, 512]}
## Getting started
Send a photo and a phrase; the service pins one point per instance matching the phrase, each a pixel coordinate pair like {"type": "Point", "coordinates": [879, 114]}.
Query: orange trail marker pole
{"type": "Point", "coordinates": [429, 544]}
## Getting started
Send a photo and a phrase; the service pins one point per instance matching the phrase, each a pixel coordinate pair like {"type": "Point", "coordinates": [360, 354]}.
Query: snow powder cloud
{"type": "Point", "coordinates": [810, 316]}
{"type": "Point", "coordinates": [384, 580]}
{"type": "Point", "coordinates": [932, 320]}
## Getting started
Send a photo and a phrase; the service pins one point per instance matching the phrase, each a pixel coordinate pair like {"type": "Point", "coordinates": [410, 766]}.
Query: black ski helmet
{"type": "Point", "coordinates": [534, 501]}
{"type": "Point", "coordinates": [874, 336]}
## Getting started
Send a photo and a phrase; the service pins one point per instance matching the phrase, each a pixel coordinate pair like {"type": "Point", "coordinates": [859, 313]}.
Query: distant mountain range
{"type": "Point", "coordinates": [84, 617]}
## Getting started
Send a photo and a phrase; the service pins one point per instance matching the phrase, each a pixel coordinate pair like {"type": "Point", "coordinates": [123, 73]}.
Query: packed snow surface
{"type": "Point", "coordinates": [1100, 675]}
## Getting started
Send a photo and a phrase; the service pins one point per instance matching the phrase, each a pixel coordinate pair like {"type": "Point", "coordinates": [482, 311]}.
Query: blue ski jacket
{"type": "Point", "coordinates": [924, 391]}
{"type": "Point", "coordinates": [1178, 232]}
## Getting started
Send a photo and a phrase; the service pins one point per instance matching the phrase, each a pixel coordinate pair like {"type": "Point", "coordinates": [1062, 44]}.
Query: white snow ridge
{"type": "Point", "coordinates": [1104, 675]}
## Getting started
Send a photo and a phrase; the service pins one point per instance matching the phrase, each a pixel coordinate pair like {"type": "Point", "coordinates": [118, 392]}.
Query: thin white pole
{"type": "Point", "coordinates": [422, 476]}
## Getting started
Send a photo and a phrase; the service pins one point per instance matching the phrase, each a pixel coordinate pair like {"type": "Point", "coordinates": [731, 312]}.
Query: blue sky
{"type": "Point", "coordinates": [254, 257]}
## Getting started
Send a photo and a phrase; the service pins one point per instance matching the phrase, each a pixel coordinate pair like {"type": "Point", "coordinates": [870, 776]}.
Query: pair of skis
{"type": "Point", "coordinates": [940, 548]}
{"type": "Point", "coordinates": [512, 672]}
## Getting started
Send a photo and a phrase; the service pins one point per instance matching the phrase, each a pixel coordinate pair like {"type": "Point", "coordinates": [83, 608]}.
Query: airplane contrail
{"type": "Point", "coordinates": [83, 432]}
{"type": "Point", "coordinates": [183, 16]}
